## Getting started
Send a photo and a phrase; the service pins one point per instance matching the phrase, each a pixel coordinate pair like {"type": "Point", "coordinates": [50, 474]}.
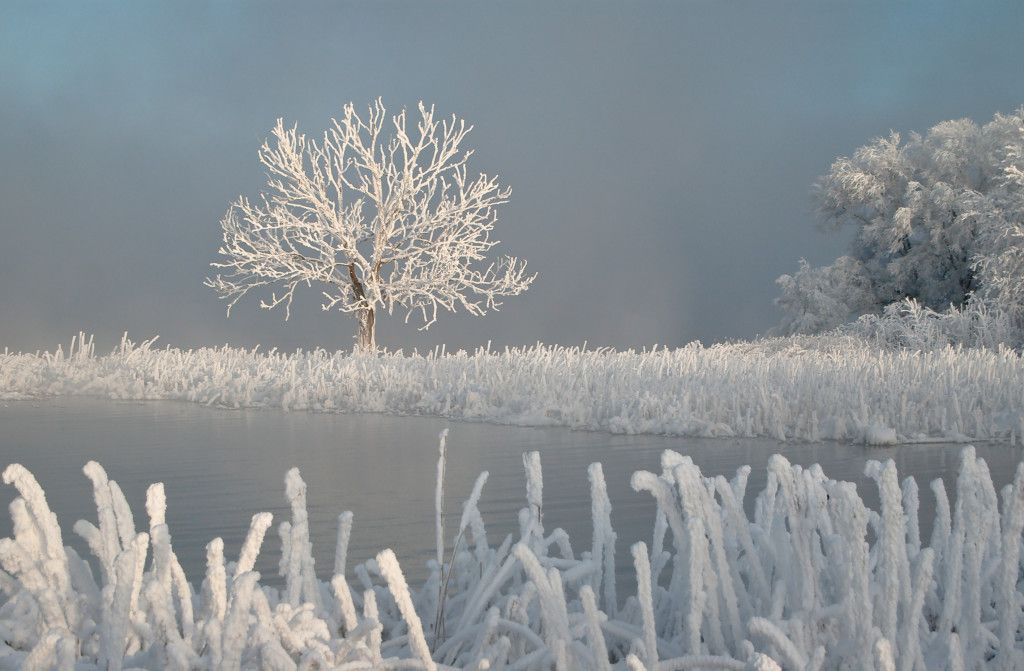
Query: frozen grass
{"type": "Point", "coordinates": [907, 324]}
{"type": "Point", "coordinates": [814, 580]}
{"type": "Point", "coordinates": [799, 388]}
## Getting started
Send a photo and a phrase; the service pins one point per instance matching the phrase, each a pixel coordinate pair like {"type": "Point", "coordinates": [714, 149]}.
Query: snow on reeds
{"type": "Point", "coordinates": [808, 388]}
{"type": "Point", "coordinates": [908, 324]}
{"type": "Point", "coordinates": [813, 580]}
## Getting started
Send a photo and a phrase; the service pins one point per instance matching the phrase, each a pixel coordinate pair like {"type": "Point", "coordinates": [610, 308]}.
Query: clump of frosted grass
{"type": "Point", "coordinates": [812, 580]}
{"type": "Point", "coordinates": [910, 325]}
{"type": "Point", "coordinates": [799, 388]}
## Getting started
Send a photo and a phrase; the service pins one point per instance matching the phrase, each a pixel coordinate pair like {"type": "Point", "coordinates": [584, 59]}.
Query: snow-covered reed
{"type": "Point", "coordinates": [802, 388]}
{"type": "Point", "coordinates": [908, 324]}
{"type": "Point", "coordinates": [812, 580]}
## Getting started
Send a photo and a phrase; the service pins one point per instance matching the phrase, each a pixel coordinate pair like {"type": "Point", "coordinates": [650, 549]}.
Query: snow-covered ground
{"type": "Point", "coordinates": [827, 387]}
{"type": "Point", "coordinates": [814, 580]}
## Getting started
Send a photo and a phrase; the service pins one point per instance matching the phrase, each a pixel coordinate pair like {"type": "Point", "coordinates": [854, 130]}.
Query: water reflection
{"type": "Point", "coordinates": [220, 467]}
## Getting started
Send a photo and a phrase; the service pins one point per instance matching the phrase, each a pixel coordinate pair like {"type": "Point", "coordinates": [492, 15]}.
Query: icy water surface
{"type": "Point", "coordinates": [221, 466]}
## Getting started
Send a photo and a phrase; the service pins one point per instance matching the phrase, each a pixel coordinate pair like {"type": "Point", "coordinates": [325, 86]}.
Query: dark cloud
{"type": "Point", "coordinates": [660, 154]}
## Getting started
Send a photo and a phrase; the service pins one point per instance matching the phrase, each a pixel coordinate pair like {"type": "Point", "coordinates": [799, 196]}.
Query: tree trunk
{"type": "Point", "coordinates": [365, 341]}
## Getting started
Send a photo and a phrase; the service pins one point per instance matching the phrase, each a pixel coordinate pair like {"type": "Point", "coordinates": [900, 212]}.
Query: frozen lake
{"type": "Point", "coordinates": [221, 466]}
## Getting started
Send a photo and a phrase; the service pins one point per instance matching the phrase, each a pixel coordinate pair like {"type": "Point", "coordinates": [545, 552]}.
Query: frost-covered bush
{"type": "Point", "coordinates": [818, 299]}
{"type": "Point", "coordinates": [796, 388]}
{"type": "Point", "coordinates": [812, 580]}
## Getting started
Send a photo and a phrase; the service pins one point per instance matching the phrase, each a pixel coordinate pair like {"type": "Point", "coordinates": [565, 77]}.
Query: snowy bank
{"type": "Point", "coordinates": [814, 580]}
{"type": "Point", "coordinates": [786, 388]}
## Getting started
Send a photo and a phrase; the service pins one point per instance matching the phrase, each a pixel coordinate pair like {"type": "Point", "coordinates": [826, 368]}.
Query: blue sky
{"type": "Point", "coordinates": [661, 155]}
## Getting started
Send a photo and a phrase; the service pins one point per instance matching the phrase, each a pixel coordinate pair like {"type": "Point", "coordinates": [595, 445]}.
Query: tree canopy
{"type": "Point", "coordinates": [938, 219]}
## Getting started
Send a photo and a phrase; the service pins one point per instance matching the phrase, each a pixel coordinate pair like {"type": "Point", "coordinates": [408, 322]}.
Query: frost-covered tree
{"type": "Point", "coordinates": [938, 220]}
{"type": "Point", "coordinates": [378, 212]}
{"type": "Point", "coordinates": [818, 299]}
{"type": "Point", "coordinates": [1001, 268]}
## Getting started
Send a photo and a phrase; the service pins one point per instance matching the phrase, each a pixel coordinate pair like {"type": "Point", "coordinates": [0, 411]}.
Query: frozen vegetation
{"type": "Point", "coordinates": [797, 388]}
{"type": "Point", "coordinates": [935, 218]}
{"type": "Point", "coordinates": [908, 324]}
{"type": "Point", "coordinates": [812, 580]}
{"type": "Point", "coordinates": [379, 214]}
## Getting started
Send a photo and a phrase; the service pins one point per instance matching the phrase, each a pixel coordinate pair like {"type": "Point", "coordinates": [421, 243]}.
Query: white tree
{"type": "Point", "coordinates": [938, 220]}
{"type": "Point", "coordinates": [1001, 268]}
{"type": "Point", "coordinates": [377, 215]}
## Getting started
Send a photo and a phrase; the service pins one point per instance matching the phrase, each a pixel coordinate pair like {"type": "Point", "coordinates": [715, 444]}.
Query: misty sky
{"type": "Point", "coordinates": [660, 154]}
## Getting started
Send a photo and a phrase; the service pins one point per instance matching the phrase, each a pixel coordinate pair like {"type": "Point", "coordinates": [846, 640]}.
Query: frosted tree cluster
{"type": "Point", "coordinates": [380, 211]}
{"type": "Point", "coordinates": [812, 580]}
{"type": "Point", "coordinates": [938, 220]}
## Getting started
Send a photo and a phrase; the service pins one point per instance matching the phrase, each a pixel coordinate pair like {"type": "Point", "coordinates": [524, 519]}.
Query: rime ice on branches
{"type": "Point", "coordinates": [378, 212]}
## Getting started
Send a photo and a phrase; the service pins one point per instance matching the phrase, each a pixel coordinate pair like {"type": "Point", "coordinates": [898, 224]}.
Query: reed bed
{"type": "Point", "coordinates": [812, 580]}
{"type": "Point", "coordinates": [799, 388]}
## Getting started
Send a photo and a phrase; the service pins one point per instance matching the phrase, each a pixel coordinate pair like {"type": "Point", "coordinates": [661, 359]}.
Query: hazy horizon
{"type": "Point", "coordinates": [661, 155]}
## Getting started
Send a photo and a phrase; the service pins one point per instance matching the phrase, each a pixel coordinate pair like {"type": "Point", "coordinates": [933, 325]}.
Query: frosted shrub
{"type": "Point", "coordinates": [908, 324]}
{"type": "Point", "coordinates": [812, 580]}
{"type": "Point", "coordinates": [796, 388]}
